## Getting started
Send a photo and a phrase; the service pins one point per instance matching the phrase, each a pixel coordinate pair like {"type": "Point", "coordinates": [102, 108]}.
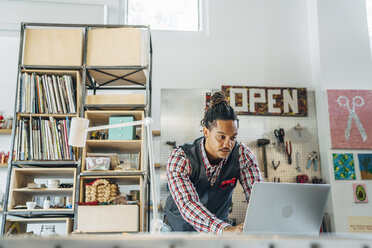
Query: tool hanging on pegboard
{"type": "Point", "coordinates": [288, 151]}
{"type": "Point", "coordinates": [316, 180]}
{"type": "Point", "coordinates": [313, 157]}
{"type": "Point", "coordinates": [276, 179]}
{"type": "Point", "coordinates": [207, 99]}
{"type": "Point", "coordinates": [262, 143]}
{"type": "Point", "coordinates": [302, 178]}
{"type": "Point", "coordinates": [299, 134]}
{"type": "Point", "coordinates": [275, 166]}
{"type": "Point", "coordinates": [279, 134]}
{"type": "Point", "coordinates": [298, 168]}
{"type": "Point", "coordinates": [172, 144]}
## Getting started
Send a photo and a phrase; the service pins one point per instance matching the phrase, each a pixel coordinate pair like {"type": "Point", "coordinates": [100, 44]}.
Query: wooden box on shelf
{"type": "Point", "coordinates": [117, 47]}
{"type": "Point", "coordinates": [53, 47]}
{"type": "Point", "coordinates": [111, 218]}
{"type": "Point", "coordinates": [113, 146]}
{"type": "Point", "coordinates": [127, 48]}
{"type": "Point", "coordinates": [5, 131]}
{"type": "Point", "coordinates": [116, 99]}
{"type": "Point", "coordinates": [20, 193]}
{"type": "Point", "coordinates": [22, 223]}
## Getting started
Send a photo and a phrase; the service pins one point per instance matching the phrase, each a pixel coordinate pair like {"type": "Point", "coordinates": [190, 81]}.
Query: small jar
{"type": "Point", "coordinates": [48, 230]}
{"type": "Point", "coordinates": [53, 183]}
{"type": "Point", "coordinates": [46, 204]}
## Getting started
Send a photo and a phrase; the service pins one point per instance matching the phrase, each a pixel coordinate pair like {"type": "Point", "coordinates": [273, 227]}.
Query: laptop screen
{"type": "Point", "coordinates": [286, 209]}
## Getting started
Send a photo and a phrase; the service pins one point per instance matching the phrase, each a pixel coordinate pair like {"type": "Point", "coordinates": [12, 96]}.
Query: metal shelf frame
{"type": "Point", "coordinates": [30, 214]}
{"type": "Point", "coordinates": [113, 173]}
{"type": "Point", "coordinates": [47, 163]}
{"type": "Point", "coordinates": [86, 77]}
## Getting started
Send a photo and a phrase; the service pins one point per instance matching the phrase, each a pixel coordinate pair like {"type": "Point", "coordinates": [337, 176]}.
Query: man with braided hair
{"type": "Point", "coordinates": [202, 175]}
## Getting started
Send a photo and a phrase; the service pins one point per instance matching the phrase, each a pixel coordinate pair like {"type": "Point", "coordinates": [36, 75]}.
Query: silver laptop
{"type": "Point", "coordinates": [286, 209]}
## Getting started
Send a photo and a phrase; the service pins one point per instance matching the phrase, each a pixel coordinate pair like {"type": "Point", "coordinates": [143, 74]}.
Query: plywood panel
{"type": "Point", "coordinates": [116, 99]}
{"type": "Point", "coordinates": [114, 218]}
{"type": "Point", "coordinates": [116, 47]}
{"type": "Point", "coordinates": [53, 47]}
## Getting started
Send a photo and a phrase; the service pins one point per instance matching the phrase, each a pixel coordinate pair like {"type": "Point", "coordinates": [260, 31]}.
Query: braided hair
{"type": "Point", "coordinates": [219, 109]}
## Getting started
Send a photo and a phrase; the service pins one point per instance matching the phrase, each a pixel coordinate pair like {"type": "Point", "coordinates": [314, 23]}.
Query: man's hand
{"type": "Point", "coordinates": [234, 229]}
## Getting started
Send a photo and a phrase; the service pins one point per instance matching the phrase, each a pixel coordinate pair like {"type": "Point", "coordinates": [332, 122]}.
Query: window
{"type": "Point", "coordinates": [182, 15]}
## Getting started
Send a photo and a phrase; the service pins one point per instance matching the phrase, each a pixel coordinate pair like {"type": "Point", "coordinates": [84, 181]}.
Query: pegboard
{"type": "Point", "coordinates": [182, 110]}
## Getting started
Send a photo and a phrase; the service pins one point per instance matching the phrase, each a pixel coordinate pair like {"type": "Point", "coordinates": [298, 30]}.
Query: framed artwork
{"type": "Point", "coordinates": [365, 166]}
{"type": "Point", "coordinates": [350, 118]}
{"type": "Point", "coordinates": [360, 193]}
{"type": "Point", "coordinates": [343, 165]}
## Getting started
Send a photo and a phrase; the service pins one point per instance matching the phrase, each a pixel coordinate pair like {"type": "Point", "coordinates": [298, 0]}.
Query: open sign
{"type": "Point", "coordinates": [267, 100]}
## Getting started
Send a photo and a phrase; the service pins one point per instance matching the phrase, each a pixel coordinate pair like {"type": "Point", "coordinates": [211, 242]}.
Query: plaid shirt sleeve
{"type": "Point", "coordinates": [249, 171]}
{"type": "Point", "coordinates": [185, 196]}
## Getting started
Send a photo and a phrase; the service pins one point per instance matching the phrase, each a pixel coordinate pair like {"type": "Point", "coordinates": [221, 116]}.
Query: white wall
{"type": "Point", "coordinates": [344, 63]}
{"type": "Point", "coordinates": [249, 42]}
{"type": "Point", "coordinates": [8, 71]}
{"type": "Point", "coordinates": [318, 44]}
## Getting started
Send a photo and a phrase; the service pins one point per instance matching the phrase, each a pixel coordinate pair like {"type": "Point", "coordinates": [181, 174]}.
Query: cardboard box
{"type": "Point", "coordinates": [57, 47]}
{"type": "Point", "coordinates": [117, 47]}
{"type": "Point", "coordinates": [108, 218]}
{"type": "Point", "coordinates": [116, 99]}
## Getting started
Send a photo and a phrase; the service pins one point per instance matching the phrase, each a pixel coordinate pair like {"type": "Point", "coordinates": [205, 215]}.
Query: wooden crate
{"type": "Point", "coordinates": [117, 47]}
{"type": "Point", "coordinates": [116, 99]}
{"type": "Point", "coordinates": [109, 218]}
{"type": "Point", "coordinates": [56, 47]}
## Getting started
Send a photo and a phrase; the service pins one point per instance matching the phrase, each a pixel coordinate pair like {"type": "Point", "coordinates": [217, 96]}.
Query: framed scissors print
{"type": "Point", "coordinates": [350, 118]}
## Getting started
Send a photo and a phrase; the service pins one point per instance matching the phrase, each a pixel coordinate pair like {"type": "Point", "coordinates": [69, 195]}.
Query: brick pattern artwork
{"type": "Point", "coordinates": [343, 165]}
{"type": "Point", "coordinates": [350, 118]}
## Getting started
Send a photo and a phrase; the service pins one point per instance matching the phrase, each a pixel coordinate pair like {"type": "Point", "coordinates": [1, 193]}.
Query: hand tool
{"type": "Point", "coordinates": [275, 166]}
{"type": "Point", "coordinates": [316, 180]}
{"type": "Point", "coordinates": [302, 178]}
{"type": "Point", "coordinates": [313, 157]}
{"type": "Point", "coordinates": [288, 151]}
{"type": "Point", "coordinates": [208, 96]}
{"type": "Point", "coordinates": [279, 133]}
{"type": "Point", "coordinates": [298, 168]}
{"type": "Point", "coordinates": [262, 143]}
{"type": "Point", "coordinates": [172, 144]}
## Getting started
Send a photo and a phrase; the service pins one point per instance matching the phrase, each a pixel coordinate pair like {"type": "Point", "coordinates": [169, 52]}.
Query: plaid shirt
{"type": "Point", "coordinates": [185, 195]}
